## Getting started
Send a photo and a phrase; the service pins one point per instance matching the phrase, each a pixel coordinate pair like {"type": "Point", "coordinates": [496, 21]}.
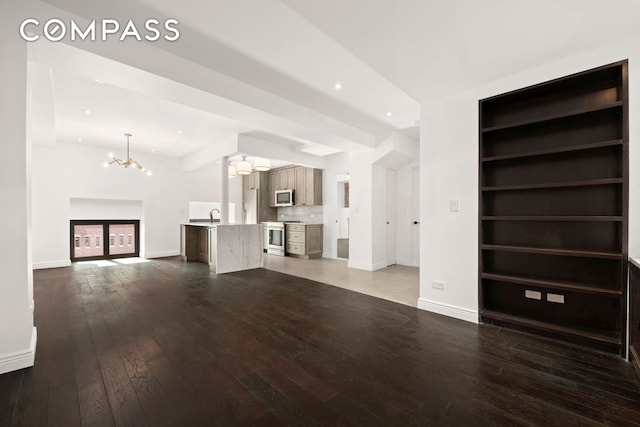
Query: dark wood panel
{"type": "Point", "coordinates": [634, 314]}
{"type": "Point", "coordinates": [582, 236]}
{"type": "Point", "coordinates": [578, 311]}
{"type": "Point", "coordinates": [554, 116]}
{"type": "Point", "coordinates": [554, 150]}
{"type": "Point", "coordinates": [589, 271]}
{"type": "Point", "coordinates": [572, 166]}
{"type": "Point", "coordinates": [572, 131]}
{"type": "Point", "coordinates": [263, 348]}
{"type": "Point", "coordinates": [586, 90]}
{"type": "Point", "coordinates": [555, 201]}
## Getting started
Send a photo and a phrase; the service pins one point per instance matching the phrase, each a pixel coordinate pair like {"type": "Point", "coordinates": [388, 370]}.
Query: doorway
{"type": "Point", "coordinates": [342, 215]}
{"type": "Point", "coordinates": [415, 214]}
{"type": "Point", "coordinates": [391, 214]}
{"type": "Point", "coordinates": [104, 239]}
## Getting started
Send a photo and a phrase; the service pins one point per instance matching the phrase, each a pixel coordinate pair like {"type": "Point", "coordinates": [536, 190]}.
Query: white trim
{"type": "Point", "coordinates": [51, 264]}
{"type": "Point", "coordinates": [448, 310]}
{"type": "Point", "coordinates": [161, 254]}
{"type": "Point", "coordinates": [406, 263]}
{"type": "Point", "coordinates": [20, 359]}
{"type": "Point", "coordinates": [366, 266]}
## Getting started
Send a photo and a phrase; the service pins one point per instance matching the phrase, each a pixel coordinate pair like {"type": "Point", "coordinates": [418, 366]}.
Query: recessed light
{"type": "Point", "coordinates": [79, 139]}
{"type": "Point", "coordinates": [337, 86]}
{"type": "Point", "coordinates": [389, 113]}
{"type": "Point", "coordinates": [87, 112]}
{"type": "Point", "coordinates": [153, 150]}
{"type": "Point", "coordinates": [98, 81]}
{"type": "Point", "coordinates": [180, 131]}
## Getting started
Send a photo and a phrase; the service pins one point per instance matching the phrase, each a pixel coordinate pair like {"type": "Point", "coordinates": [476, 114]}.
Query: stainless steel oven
{"type": "Point", "coordinates": [275, 232]}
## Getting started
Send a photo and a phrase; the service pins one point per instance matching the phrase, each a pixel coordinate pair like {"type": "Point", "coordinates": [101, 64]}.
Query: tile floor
{"type": "Point", "coordinates": [397, 283]}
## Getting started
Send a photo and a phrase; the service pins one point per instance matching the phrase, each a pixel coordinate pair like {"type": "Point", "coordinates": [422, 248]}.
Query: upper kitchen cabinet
{"type": "Point", "coordinates": [257, 204]}
{"type": "Point", "coordinates": [306, 183]}
{"type": "Point", "coordinates": [254, 181]}
{"type": "Point", "coordinates": [281, 179]}
{"type": "Point", "coordinates": [308, 186]}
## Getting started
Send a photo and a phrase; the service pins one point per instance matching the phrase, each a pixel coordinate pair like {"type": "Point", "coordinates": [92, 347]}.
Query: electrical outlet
{"type": "Point", "coordinates": [438, 285]}
{"type": "Point", "coordinates": [454, 205]}
{"type": "Point", "coordinates": [555, 298]}
{"type": "Point", "coordinates": [532, 294]}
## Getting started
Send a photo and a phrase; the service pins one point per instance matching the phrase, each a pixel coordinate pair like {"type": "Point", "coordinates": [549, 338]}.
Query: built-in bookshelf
{"type": "Point", "coordinates": [634, 314]}
{"type": "Point", "coordinates": [554, 207]}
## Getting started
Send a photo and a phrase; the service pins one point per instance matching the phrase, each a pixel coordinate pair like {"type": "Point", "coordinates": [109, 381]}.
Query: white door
{"type": "Point", "coordinates": [415, 217]}
{"type": "Point", "coordinates": [392, 203]}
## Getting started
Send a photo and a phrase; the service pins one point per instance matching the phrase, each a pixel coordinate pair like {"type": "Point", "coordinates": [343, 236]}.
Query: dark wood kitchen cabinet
{"type": "Point", "coordinates": [306, 183]}
{"type": "Point", "coordinates": [553, 208]}
{"type": "Point", "coordinates": [304, 240]}
{"type": "Point", "coordinates": [308, 186]}
{"type": "Point", "coordinates": [255, 180]}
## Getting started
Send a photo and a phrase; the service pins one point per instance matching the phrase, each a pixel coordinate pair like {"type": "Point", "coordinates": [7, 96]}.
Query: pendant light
{"type": "Point", "coordinates": [261, 164]}
{"type": "Point", "coordinates": [243, 167]}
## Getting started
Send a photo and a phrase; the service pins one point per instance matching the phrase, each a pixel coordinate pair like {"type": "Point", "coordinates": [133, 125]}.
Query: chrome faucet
{"type": "Point", "coordinates": [211, 213]}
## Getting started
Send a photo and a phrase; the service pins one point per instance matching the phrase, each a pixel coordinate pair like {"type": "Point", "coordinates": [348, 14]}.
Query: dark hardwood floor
{"type": "Point", "coordinates": [165, 343]}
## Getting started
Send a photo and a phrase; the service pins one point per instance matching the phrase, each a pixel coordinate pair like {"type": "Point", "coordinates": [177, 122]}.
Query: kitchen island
{"type": "Point", "coordinates": [225, 247]}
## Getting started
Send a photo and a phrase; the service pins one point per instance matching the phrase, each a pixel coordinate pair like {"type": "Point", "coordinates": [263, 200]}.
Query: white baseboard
{"type": "Point", "coordinates": [406, 263]}
{"type": "Point", "coordinates": [161, 254]}
{"type": "Point", "coordinates": [21, 359]}
{"type": "Point", "coordinates": [51, 264]}
{"type": "Point", "coordinates": [366, 266]}
{"type": "Point", "coordinates": [448, 310]}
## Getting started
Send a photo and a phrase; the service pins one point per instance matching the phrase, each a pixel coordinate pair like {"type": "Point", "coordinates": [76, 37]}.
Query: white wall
{"type": "Point", "coordinates": [17, 333]}
{"type": "Point", "coordinates": [449, 170]}
{"type": "Point", "coordinates": [367, 212]}
{"type": "Point", "coordinates": [342, 213]}
{"type": "Point", "coordinates": [336, 164]}
{"type": "Point", "coordinates": [74, 172]}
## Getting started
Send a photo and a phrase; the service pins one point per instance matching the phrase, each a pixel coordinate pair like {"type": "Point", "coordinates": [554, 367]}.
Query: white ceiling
{"type": "Point", "coordinates": [275, 64]}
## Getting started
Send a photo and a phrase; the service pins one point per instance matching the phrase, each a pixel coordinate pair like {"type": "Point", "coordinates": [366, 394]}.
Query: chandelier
{"type": "Point", "coordinates": [243, 167]}
{"type": "Point", "coordinates": [129, 161]}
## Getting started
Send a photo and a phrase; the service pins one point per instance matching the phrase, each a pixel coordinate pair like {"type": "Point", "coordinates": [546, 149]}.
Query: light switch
{"type": "Point", "coordinates": [454, 205]}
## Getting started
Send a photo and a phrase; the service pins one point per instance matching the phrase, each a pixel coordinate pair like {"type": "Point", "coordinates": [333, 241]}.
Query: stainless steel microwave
{"type": "Point", "coordinates": [284, 198]}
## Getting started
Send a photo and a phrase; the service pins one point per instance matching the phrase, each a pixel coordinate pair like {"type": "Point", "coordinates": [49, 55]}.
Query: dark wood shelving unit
{"type": "Point", "coordinates": [553, 117]}
{"type": "Point", "coordinates": [553, 219]}
{"type": "Point", "coordinates": [549, 284]}
{"type": "Point", "coordinates": [558, 252]}
{"type": "Point", "coordinates": [603, 336]}
{"type": "Point", "coordinates": [591, 182]}
{"type": "Point", "coordinates": [634, 314]}
{"type": "Point", "coordinates": [561, 150]}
